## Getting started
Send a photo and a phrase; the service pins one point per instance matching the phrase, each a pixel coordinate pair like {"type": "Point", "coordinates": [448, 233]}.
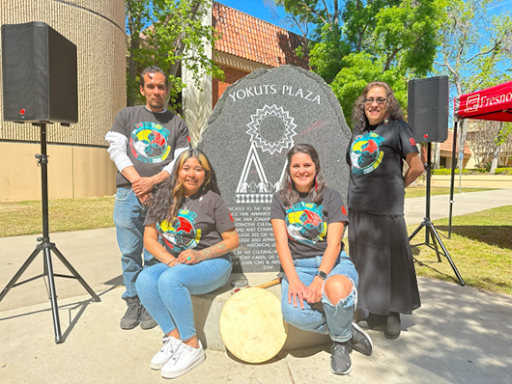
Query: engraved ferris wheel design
{"type": "Point", "coordinates": [286, 140]}
{"type": "Point", "coordinates": [262, 189]}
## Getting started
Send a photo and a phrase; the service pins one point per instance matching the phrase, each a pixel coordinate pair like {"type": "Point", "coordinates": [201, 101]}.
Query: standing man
{"type": "Point", "coordinates": [144, 142]}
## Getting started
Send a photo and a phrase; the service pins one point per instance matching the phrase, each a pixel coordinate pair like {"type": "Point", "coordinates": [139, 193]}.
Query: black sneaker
{"type": "Point", "coordinates": [340, 358]}
{"type": "Point", "coordinates": [145, 319]}
{"type": "Point", "coordinates": [131, 317]}
{"type": "Point", "coordinates": [361, 341]}
{"type": "Point", "coordinates": [393, 326]}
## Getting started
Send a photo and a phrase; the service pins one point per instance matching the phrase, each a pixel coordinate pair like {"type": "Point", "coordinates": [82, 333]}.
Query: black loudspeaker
{"type": "Point", "coordinates": [39, 74]}
{"type": "Point", "coordinates": [428, 109]}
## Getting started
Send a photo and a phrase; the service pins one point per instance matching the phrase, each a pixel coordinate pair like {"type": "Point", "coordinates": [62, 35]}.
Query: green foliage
{"type": "Point", "coordinates": [326, 56]}
{"type": "Point", "coordinates": [358, 70]}
{"type": "Point", "coordinates": [355, 42]}
{"type": "Point", "coordinates": [505, 131]}
{"type": "Point", "coordinates": [445, 171]}
{"type": "Point", "coordinates": [168, 33]}
{"type": "Point", "coordinates": [299, 52]}
{"type": "Point", "coordinates": [484, 167]}
{"type": "Point", "coordinates": [503, 171]}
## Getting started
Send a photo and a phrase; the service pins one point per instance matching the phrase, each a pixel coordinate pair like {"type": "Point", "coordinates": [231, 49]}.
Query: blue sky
{"type": "Point", "coordinates": [258, 9]}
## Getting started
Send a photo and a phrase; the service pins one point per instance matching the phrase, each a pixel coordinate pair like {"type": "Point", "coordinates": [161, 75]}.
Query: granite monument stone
{"type": "Point", "coordinates": [253, 126]}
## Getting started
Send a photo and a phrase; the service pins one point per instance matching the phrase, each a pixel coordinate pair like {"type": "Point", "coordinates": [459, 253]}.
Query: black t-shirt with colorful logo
{"type": "Point", "coordinates": [307, 222]}
{"type": "Point", "coordinates": [198, 225]}
{"type": "Point", "coordinates": [376, 160]}
{"type": "Point", "coordinates": [152, 139]}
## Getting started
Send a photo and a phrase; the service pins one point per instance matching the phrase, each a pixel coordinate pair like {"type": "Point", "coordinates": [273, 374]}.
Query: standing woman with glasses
{"type": "Point", "coordinates": [378, 240]}
{"type": "Point", "coordinates": [199, 233]}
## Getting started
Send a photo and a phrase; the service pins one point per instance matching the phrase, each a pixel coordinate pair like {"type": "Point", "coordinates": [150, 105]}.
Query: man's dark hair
{"type": "Point", "coordinates": [153, 69]}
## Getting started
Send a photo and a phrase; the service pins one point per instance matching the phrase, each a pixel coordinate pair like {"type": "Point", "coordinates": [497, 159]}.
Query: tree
{"type": "Point", "coordinates": [491, 141]}
{"type": "Point", "coordinates": [168, 33]}
{"type": "Point", "coordinates": [356, 41]}
{"type": "Point", "coordinates": [476, 50]}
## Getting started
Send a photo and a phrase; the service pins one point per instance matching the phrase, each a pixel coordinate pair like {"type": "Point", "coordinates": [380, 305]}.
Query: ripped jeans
{"type": "Point", "coordinates": [332, 319]}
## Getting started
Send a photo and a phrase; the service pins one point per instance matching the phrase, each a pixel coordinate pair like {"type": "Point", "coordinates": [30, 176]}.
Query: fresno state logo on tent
{"type": "Point", "coordinates": [472, 103]}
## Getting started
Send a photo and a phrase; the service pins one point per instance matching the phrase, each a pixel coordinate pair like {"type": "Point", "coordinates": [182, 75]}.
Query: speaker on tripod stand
{"type": "Point", "coordinates": [428, 118]}
{"type": "Point", "coordinates": [39, 80]}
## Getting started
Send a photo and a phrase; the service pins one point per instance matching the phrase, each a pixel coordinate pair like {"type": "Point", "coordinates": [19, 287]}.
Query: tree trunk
{"type": "Point", "coordinates": [496, 152]}
{"type": "Point", "coordinates": [462, 143]}
{"type": "Point", "coordinates": [495, 158]}
{"type": "Point", "coordinates": [180, 44]}
{"type": "Point", "coordinates": [436, 156]}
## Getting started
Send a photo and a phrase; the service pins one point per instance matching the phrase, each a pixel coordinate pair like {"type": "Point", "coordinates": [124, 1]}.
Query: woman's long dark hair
{"type": "Point", "coordinates": [393, 108]}
{"type": "Point", "coordinates": [288, 193]}
{"type": "Point", "coordinates": [168, 199]}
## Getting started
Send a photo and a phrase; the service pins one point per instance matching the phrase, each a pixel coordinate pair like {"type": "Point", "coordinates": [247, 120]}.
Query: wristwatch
{"type": "Point", "coordinates": [321, 274]}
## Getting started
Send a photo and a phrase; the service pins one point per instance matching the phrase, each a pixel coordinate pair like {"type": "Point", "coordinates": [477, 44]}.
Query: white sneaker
{"type": "Point", "coordinates": [184, 359]}
{"type": "Point", "coordinates": [171, 345]}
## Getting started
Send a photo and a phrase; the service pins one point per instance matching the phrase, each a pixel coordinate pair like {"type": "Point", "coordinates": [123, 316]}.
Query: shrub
{"type": "Point", "coordinates": [503, 171]}
{"type": "Point", "coordinates": [484, 167]}
{"type": "Point", "coordinates": [445, 171]}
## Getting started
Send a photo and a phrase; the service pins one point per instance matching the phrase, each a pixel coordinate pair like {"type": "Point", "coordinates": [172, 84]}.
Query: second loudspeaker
{"type": "Point", "coordinates": [428, 109]}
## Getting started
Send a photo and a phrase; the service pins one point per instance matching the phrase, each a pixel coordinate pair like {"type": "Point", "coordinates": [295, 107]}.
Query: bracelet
{"type": "Point", "coordinates": [170, 261]}
{"type": "Point", "coordinates": [162, 253]}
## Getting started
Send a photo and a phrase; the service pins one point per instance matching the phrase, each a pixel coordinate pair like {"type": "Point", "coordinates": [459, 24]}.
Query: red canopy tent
{"type": "Point", "coordinates": [493, 103]}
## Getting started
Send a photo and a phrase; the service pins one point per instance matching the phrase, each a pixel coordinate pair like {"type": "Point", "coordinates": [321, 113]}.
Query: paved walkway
{"type": "Point", "coordinates": [459, 335]}
{"type": "Point", "coordinates": [463, 203]}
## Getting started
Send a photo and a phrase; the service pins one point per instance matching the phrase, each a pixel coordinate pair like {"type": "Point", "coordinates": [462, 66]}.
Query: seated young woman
{"type": "Point", "coordinates": [308, 219]}
{"type": "Point", "coordinates": [198, 233]}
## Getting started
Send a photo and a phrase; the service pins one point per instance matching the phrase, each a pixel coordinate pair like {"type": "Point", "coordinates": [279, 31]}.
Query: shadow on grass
{"type": "Point", "coordinates": [429, 264]}
{"type": "Point", "coordinates": [498, 236]}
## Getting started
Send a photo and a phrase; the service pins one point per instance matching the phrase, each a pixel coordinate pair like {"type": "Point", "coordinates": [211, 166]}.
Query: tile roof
{"type": "Point", "coordinates": [254, 39]}
{"type": "Point", "coordinates": [448, 144]}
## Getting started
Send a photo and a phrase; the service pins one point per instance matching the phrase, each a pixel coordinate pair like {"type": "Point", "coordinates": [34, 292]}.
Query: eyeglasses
{"type": "Point", "coordinates": [379, 101]}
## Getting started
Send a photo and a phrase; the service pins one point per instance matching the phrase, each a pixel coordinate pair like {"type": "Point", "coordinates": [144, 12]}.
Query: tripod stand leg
{"type": "Point", "coordinates": [417, 230]}
{"type": "Point", "coordinates": [435, 243]}
{"type": "Point", "coordinates": [448, 256]}
{"type": "Point", "coordinates": [53, 296]}
{"type": "Point", "coordinates": [75, 273]}
{"type": "Point", "coordinates": [19, 273]}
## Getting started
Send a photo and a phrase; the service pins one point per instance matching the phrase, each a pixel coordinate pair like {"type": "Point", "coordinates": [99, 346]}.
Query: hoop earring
{"type": "Point", "coordinates": [316, 184]}
{"type": "Point", "coordinates": [386, 120]}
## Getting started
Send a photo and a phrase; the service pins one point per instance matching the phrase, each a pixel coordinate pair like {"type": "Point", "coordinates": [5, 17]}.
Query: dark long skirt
{"type": "Point", "coordinates": [380, 249]}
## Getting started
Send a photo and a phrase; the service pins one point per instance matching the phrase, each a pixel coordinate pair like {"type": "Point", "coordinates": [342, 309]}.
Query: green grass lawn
{"type": "Point", "coordinates": [480, 246]}
{"type": "Point", "coordinates": [25, 218]}
{"type": "Point", "coordinates": [421, 191]}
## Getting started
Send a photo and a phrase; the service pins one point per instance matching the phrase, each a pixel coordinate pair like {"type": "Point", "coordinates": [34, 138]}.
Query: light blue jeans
{"type": "Point", "coordinates": [165, 291]}
{"type": "Point", "coordinates": [129, 216]}
{"type": "Point", "coordinates": [334, 319]}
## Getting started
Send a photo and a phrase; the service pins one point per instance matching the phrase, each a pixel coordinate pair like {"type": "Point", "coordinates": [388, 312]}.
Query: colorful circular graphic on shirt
{"type": "Point", "coordinates": [180, 234]}
{"type": "Point", "coordinates": [365, 153]}
{"type": "Point", "coordinates": [304, 223]}
{"type": "Point", "coordinates": [148, 142]}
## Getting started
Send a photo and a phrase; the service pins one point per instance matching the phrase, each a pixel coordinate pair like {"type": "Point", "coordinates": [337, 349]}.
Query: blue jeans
{"type": "Point", "coordinates": [165, 292]}
{"type": "Point", "coordinates": [129, 216]}
{"type": "Point", "coordinates": [335, 319]}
